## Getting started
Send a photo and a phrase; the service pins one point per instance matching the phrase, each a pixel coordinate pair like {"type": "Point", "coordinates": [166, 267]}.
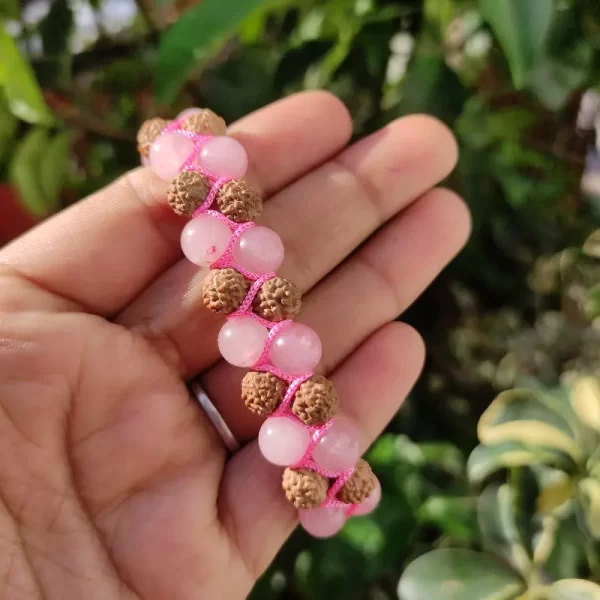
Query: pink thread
{"type": "Point", "coordinates": [245, 310]}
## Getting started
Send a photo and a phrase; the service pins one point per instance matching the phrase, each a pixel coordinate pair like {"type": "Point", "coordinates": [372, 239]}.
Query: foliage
{"type": "Point", "coordinates": [516, 310]}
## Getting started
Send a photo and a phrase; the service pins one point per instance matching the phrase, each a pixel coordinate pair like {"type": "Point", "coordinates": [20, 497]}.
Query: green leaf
{"type": "Point", "coordinates": [8, 127]}
{"type": "Point", "coordinates": [56, 28]}
{"type": "Point", "coordinates": [589, 493]}
{"type": "Point", "coordinates": [521, 28]}
{"type": "Point", "coordinates": [196, 34]}
{"type": "Point", "coordinates": [53, 168]}
{"type": "Point", "coordinates": [454, 516]}
{"type": "Point", "coordinates": [448, 574]}
{"type": "Point", "coordinates": [496, 514]}
{"type": "Point", "coordinates": [531, 417]}
{"type": "Point", "coordinates": [591, 304]}
{"type": "Point", "coordinates": [573, 589]}
{"type": "Point", "coordinates": [22, 91]}
{"type": "Point", "coordinates": [24, 171]}
{"type": "Point", "coordinates": [9, 9]}
{"type": "Point", "coordinates": [486, 460]}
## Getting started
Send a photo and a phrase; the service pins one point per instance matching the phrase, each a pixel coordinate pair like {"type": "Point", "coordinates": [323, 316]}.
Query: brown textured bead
{"type": "Point", "coordinates": [360, 485]}
{"type": "Point", "coordinates": [148, 133]}
{"type": "Point", "coordinates": [316, 401]}
{"type": "Point", "coordinates": [278, 299]}
{"type": "Point", "coordinates": [239, 201]}
{"type": "Point", "coordinates": [205, 123]}
{"type": "Point", "coordinates": [187, 192]}
{"type": "Point", "coordinates": [304, 488]}
{"type": "Point", "coordinates": [262, 392]}
{"type": "Point", "coordinates": [224, 290]}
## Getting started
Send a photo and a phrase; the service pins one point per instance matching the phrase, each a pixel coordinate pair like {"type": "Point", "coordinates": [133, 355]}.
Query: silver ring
{"type": "Point", "coordinates": [215, 416]}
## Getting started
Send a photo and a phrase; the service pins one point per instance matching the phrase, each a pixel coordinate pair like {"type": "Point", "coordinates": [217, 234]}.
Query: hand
{"type": "Point", "coordinates": [113, 483]}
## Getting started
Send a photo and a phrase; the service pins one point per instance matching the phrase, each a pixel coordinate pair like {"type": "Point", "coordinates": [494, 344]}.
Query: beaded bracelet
{"type": "Point", "coordinates": [324, 478]}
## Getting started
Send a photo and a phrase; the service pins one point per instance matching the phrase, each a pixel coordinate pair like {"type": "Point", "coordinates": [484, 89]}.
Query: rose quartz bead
{"type": "Point", "coordinates": [370, 503]}
{"type": "Point", "coordinates": [188, 112]}
{"type": "Point", "coordinates": [259, 250]}
{"type": "Point", "coordinates": [168, 153]}
{"type": "Point", "coordinates": [339, 447]}
{"type": "Point", "coordinates": [223, 156]}
{"type": "Point", "coordinates": [204, 239]}
{"type": "Point", "coordinates": [241, 341]}
{"type": "Point", "coordinates": [322, 522]}
{"type": "Point", "coordinates": [296, 349]}
{"type": "Point", "coordinates": [283, 441]}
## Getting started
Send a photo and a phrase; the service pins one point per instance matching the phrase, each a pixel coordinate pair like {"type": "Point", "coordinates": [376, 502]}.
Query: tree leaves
{"type": "Point", "coordinates": [192, 39]}
{"type": "Point", "coordinates": [522, 29]}
{"type": "Point", "coordinates": [22, 92]}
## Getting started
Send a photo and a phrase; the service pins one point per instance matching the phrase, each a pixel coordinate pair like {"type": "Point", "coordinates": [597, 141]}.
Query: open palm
{"type": "Point", "coordinates": [113, 483]}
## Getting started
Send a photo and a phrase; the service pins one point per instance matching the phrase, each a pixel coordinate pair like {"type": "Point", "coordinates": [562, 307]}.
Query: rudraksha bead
{"type": "Point", "coordinates": [304, 488]}
{"type": "Point", "coordinates": [148, 132]}
{"type": "Point", "coordinates": [278, 299]}
{"type": "Point", "coordinates": [360, 485]}
{"type": "Point", "coordinates": [316, 401]}
{"type": "Point", "coordinates": [262, 392]}
{"type": "Point", "coordinates": [187, 192]}
{"type": "Point", "coordinates": [224, 290]}
{"type": "Point", "coordinates": [239, 201]}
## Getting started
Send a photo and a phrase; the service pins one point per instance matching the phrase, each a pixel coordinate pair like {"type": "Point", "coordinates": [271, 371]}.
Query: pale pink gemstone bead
{"type": "Point", "coordinates": [168, 153]}
{"type": "Point", "coordinates": [204, 239]}
{"type": "Point", "coordinates": [242, 340]}
{"type": "Point", "coordinates": [188, 112]}
{"type": "Point", "coordinates": [296, 349]}
{"type": "Point", "coordinates": [223, 156]}
{"type": "Point", "coordinates": [368, 505]}
{"type": "Point", "coordinates": [283, 441]}
{"type": "Point", "coordinates": [339, 448]}
{"type": "Point", "coordinates": [259, 250]}
{"type": "Point", "coordinates": [322, 522]}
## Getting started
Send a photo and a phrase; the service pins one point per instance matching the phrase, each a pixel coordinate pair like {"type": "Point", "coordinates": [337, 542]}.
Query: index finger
{"type": "Point", "coordinates": [101, 253]}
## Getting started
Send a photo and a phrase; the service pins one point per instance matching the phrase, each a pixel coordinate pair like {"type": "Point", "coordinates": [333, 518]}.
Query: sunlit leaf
{"type": "Point", "coordinates": [486, 460]}
{"type": "Point", "coordinates": [585, 398]}
{"type": "Point", "coordinates": [521, 28]}
{"type": "Point", "coordinates": [530, 417]}
{"type": "Point", "coordinates": [22, 91]}
{"type": "Point", "coordinates": [591, 247]}
{"type": "Point", "coordinates": [188, 42]}
{"type": "Point", "coordinates": [573, 589]}
{"type": "Point", "coordinates": [448, 574]}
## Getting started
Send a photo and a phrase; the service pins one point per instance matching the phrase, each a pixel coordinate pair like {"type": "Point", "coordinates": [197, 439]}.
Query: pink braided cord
{"type": "Point", "coordinates": [245, 310]}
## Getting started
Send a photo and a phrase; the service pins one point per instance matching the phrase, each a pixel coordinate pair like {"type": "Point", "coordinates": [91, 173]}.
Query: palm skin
{"type": "Point", "coordinates": [113, 484]}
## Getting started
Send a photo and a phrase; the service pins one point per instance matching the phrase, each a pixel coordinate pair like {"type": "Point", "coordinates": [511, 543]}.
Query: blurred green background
{"type": "Point", "coordinates": [514, 79]}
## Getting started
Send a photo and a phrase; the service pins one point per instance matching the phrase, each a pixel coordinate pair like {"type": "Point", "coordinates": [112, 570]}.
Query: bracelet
{"type": "Point", "coordinates": [324, 478]}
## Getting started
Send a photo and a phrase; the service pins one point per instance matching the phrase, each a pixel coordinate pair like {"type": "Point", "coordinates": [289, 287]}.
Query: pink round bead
{"type": "Point", "coordinates": [168, 153]}
{"type": "Point", "coordinates": [259, 250]}
{"type": "Point", "coordinates": [296, 349]}
{"type": "Point", "coordinates": [322, 522]}
{"type": "Point", "coordinates": [242, 340]}
{"type": "Point", "coordinates": [188, 112]}
{"type": "Point", "coordinates": [339, 448]}
{"type": "Point", "coordinates": [283, 441]}
{"type": "Point", "coordinates": [223, 156]}
{"type": "Point", "coordinates": [368, 505]}
{"type": "Point", "coordinates": [204, 239]}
